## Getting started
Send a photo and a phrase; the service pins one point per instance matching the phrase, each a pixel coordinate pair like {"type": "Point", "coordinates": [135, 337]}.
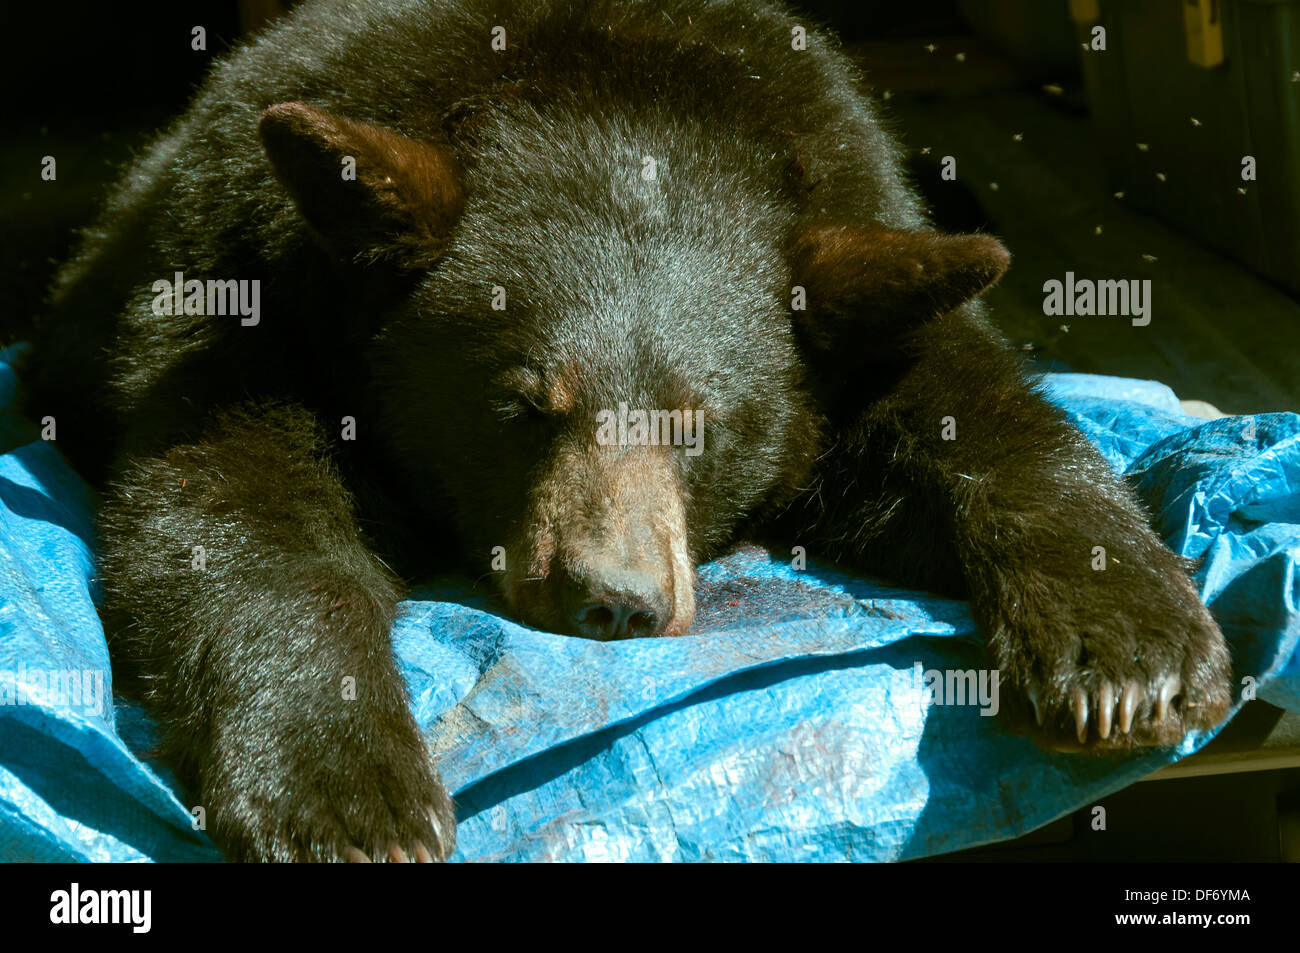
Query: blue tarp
{"type": "Point", "coordinates": [787, 726]}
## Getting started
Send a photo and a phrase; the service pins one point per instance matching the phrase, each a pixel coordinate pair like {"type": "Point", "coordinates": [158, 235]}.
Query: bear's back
{"type": "Point", "coordinates": [203, 199]}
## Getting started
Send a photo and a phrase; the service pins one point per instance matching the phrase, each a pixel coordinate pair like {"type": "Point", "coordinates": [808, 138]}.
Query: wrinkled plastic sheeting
{"type": "Point", "coordinates": [787, 726]}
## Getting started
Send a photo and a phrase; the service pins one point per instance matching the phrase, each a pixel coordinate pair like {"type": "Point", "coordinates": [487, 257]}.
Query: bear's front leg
{"type": "Point", "coordinates": [963, 478]}
{"type": "Point", "coordinates": [239, 589]}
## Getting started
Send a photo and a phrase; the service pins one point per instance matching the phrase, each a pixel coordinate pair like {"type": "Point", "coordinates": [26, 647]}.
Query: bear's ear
{"type": "Point", "coordinates": [370, 194]}
{"type": "Point", "coordinates": [866, 286]}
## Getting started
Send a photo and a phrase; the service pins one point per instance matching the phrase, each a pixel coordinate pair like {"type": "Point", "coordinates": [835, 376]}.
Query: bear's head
{"type": "Point", "coordinates": [611, 341]}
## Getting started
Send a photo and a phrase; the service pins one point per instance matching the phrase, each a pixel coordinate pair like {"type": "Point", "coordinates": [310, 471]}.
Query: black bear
{"type": "Point", "coordinates": [578, 291]}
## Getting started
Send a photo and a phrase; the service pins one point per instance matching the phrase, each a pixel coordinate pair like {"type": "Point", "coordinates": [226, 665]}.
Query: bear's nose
{"type": "Point", "coordinates": [618, 604]}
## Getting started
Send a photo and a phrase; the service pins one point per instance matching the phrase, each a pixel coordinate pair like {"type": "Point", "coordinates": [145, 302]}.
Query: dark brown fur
{"type": "Point", "coordinates": [475, 427]}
